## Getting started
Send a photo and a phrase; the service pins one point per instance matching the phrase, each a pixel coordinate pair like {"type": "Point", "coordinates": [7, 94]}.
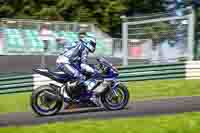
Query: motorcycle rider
{"type": "Point", "coordinates": [77, 54]}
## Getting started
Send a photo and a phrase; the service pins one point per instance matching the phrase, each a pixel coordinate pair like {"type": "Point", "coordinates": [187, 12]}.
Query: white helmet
{"type": "Point", "coordinates": [90, 43]}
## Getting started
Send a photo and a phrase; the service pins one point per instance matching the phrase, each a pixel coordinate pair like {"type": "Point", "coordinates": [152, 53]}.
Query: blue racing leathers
{"type": "Point", "coordinates": [75, 55]}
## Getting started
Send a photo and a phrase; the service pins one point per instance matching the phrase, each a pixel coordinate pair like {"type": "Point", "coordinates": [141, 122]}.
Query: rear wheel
{"type": "Point", "coordinates": [115, 99]}
{"type": "Point", "coordinates": [45, 101]}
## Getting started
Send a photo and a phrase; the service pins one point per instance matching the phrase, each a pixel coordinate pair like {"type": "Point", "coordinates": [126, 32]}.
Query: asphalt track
{"type": "Point", "coordinates": [134, 109]}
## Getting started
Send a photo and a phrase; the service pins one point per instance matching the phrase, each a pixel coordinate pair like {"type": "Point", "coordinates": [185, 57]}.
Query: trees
{"type": "Point", "coordinates": [106, 13]}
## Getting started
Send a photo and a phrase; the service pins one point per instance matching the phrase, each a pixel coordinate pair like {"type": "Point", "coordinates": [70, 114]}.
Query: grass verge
{"type": "Point", "coordinates": [179, 123]}
{"type": "Point", "coordinates": [163, 88]}
{"type": "Point", "coordinates": [19, 102]}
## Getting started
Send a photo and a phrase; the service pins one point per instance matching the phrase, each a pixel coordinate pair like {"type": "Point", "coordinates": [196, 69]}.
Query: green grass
{"type": "Point", "coordinates": [138, 90]}
{"type": "Point", "coordinates": [163, 88]}
{"type": "Point", "coordinates": [180, 123]}
{"type": "Point", "coordinates": [15, 102]}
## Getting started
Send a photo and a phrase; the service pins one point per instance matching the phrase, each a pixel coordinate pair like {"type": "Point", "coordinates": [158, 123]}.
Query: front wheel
{"type": "Point", "coordinates": [116, 99]}
{"type": "Point", "coordinates": [45, 101]}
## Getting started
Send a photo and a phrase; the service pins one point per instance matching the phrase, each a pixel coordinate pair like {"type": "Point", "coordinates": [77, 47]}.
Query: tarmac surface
{"type": "Point", "coordinates": [134, 109]}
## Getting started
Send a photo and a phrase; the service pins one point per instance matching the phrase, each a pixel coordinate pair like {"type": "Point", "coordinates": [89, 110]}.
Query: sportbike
{"type": "Point", "coordinates": [106, 92]}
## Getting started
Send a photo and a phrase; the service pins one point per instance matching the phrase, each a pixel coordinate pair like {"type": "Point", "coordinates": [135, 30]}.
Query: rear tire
{"type": "Point", "coordinates": [107, 102]}
{"type": "Point", "coordinates": [50, 95]}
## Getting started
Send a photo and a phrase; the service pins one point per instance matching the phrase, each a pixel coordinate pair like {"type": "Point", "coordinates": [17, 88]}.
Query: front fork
{"type": "Point", "coordinates": [114, 87]}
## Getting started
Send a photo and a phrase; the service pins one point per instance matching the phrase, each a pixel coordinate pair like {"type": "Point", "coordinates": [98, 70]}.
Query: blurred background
{"type": "Point", "coordinates": [128, 31]}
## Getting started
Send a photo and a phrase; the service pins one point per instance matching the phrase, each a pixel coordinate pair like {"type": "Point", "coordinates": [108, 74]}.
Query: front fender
{"type": "Point", "coordinates": [115, 84]}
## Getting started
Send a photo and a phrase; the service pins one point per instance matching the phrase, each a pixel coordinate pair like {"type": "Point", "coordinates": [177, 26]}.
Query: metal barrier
{"type": "Point", "coordinates": [16, 82]}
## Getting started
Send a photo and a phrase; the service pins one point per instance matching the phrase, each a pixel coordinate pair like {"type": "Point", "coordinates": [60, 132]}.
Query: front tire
{"type": "Point", "coordinates": [109, 100]}
{"type": "Point", "coordinates": [47, 96]}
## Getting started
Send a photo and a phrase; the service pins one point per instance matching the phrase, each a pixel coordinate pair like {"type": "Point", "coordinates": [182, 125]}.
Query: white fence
{"type": "Point", "coordinates": [151, 38]}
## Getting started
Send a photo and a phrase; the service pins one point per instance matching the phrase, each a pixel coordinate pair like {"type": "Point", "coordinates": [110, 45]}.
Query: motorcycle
{"type": "Point", "coordinates": [106, 92]}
